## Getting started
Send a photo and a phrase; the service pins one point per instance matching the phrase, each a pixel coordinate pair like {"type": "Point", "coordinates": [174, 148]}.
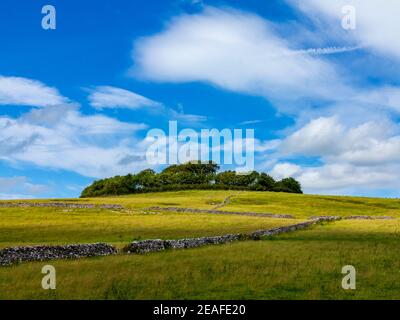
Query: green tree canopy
{"type": "Point", "coordinates": [192, 175]}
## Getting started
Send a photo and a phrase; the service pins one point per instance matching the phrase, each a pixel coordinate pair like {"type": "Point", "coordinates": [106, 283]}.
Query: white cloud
{"type": "Point", "coordinates": [242, 52]}
{"type": "Point", "coordinates": [236, 51]}
{"type": "Point", "coordinates": [386, 96]}
{"type": "Point", "coordinates": [363, 156]}
{"type": "Point", "coordinates": [320, 136]}
{"type": "Point", "coordinates": [342, 176]}
{"type": "Point", "coordinates": [92, 146]}
{"type": "Point", "coordinates": [58, 136]}
{"type": "Point", "coordinates": [377, 22]}
{"type": "Point", "coordinates": [63, 138]}
{"type": "Point", "coordinates": [111, 97]}
{"type": "Point", "coordinates": [369, 143]}
{"type": "Point", "coordinates": [68, 119]}
{"type": "Point", "coordinates": [285, 170]}
{"type": "Point", "coordinates": [27, 92]}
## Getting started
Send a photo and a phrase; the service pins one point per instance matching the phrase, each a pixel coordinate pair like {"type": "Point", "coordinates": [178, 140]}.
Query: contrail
{"type": "Point", "coordinates": [315, 51]}
{"type": "Point", "coordinates": [323, 51]}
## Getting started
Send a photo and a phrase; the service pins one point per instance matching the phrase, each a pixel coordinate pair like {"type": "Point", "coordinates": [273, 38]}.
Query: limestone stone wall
{"type": "Point", "coordinates": [58, 205]}
{"type": "Point", "coordinates": [15, 255]}
{"type": "Point", "coordinates": [253, 214]}
{"type": "Point", "coordinates": [146, 246]}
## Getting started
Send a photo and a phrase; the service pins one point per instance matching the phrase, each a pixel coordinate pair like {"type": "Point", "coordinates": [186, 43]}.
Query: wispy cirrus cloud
{"type": "Point", "coordinates": [103, 97]}
{"type": "Point", "coordinates": [108, 97]}
{"type": "Point", "coordinates": [28, 92]}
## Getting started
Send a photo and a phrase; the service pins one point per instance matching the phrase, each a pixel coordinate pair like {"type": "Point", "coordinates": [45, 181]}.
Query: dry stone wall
{"type": "Point", "coordinates": [368, 218]}
{"type": "Point", "coordinates": [15, 255]}
{"type": "Point", "coordinates": [294, 227]}
{"type": "Point", "coordinates": [59, 205]}
{"type": "Point", "coordinates": [146, 246]}
{"type": "Point", "coordinates": [252, 214]}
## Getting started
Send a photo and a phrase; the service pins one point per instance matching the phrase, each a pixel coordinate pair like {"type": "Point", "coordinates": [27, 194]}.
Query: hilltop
{"type": "Point", "coordinates": [189, 176]}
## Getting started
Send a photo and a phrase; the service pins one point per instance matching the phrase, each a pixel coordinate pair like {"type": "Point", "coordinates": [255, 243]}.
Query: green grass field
{"type": "Point", "coordinates": [300, 265]}
{"type": "Point", "coordinates": [31, 226]}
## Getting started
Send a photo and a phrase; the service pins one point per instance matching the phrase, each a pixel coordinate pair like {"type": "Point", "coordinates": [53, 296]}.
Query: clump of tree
{"type": "Point", "coordinates": [192, 175]}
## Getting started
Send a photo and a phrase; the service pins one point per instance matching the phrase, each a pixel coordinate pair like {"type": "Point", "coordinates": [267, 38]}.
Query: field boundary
{"type": "Point", "coordinates": [156, 245]}
{"type": "Point", "coordinates": [226, 201]}
{"type": "Point", "coordinates": [10, 256]}
{"type": "Point", "coordinates": [191, 210]}
{"type": "Point", "coordinates": [15, 255]}
{"type": "Point", "coordinates": [59, 205]}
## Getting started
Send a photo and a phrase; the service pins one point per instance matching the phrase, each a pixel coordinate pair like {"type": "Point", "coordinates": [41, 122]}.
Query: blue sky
{"type": "Point", "coordinates": [77, 102]}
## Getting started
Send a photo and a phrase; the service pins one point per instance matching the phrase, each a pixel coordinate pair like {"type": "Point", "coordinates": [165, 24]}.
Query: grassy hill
{"type": "Point", "coordinates": [300, 265]}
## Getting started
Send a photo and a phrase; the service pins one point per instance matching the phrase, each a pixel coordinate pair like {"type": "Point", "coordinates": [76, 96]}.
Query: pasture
{"type": "Point", "coordinates": [304, 264]}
